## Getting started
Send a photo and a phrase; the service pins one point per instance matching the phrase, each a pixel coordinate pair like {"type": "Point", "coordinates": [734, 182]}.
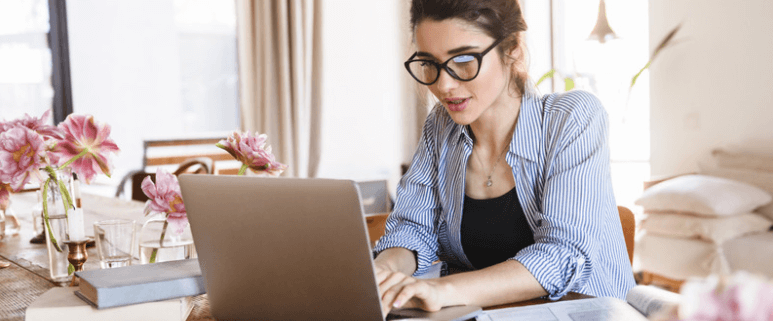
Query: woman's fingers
{"type": "Point", "coordinates": [392, 288]}
{"type": "Point", "coordinates": [382, 274]}
{"type": "Point", "coordinates": [419, 294]}
{"type": "Point", "coordinates": [406, 293]}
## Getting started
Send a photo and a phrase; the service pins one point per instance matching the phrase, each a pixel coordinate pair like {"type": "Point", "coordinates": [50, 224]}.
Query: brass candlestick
{"type": "Point", "coordinates": [77, 256]}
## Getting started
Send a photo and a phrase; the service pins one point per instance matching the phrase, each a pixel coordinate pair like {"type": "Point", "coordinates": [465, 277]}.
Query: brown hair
{"type": "Point", "coordinates": [500, 19]}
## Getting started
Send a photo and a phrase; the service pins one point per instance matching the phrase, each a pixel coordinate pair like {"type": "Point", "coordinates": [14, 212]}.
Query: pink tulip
{"type": "Point", "coordinates": [742, 297]}
{"type": "Point", "coordinates": [5, 196]}
{"type": "Point", "coordinates": [165, 196]}
{"type": "Point", "coordinates": [87, 142]}
{"type": "Point", "coordinates": [21, 154]}
{"type": "Point", "coordinates": [252, 153]}
{"type": "Point", "coordinates": [38, 125]}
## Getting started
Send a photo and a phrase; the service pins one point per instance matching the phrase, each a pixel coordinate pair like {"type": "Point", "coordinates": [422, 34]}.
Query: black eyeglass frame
{"type": "Point", "coordinates": [444, 65]}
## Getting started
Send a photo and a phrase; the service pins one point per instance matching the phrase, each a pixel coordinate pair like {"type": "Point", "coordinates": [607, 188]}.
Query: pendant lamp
{"type": "Point", "coordinates": [602, 32]}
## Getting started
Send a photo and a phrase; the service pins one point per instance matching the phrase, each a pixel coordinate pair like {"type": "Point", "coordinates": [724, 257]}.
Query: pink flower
{"type": "Point", "coordinates": [742, 297]}
{"type": "Point", "coordinates": [21, 154]}
{"type": "Point", "coordinates": [5, 196]}
{"type": "Point", "coordinates": [82, 134]}
{"type": "Point", "coordinates": [38, 125]}
{"type": "Point", "coordinates": [165, 196]}
{"type": "Point", "coordinates": [251, 151]}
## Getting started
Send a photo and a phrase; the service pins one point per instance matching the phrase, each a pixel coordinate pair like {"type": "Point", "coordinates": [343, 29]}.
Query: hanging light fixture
{"type": "Point", "coordinates": [602, 32]}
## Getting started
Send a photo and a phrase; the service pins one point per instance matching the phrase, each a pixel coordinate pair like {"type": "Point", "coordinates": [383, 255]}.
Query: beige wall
{"type": "Point", "coordinates": [715, 88]}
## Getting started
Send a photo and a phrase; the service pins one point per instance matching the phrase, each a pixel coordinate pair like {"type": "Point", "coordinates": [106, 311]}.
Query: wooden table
{"type": "Point", "coordinates": [28, 277]}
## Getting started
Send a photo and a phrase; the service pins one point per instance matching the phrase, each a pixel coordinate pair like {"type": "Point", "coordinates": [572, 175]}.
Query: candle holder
{"type": "Point", "coordinates": [77, 256]}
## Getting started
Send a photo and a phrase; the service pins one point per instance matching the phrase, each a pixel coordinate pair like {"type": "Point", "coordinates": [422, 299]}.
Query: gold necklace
{"type": "Point", "coordinates": [489, 182]}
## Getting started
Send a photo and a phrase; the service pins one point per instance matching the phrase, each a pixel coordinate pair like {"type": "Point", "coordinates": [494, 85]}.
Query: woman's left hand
{"type": "Point", "coordinates": [398, 290]}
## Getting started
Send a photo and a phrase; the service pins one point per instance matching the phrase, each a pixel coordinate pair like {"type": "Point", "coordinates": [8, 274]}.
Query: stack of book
{"type": "Point", "coordinates": [159, 291]}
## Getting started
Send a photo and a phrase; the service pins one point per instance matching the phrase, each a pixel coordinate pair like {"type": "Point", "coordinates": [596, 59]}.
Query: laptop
{"type": "Point", "coordinates": [287, 249]}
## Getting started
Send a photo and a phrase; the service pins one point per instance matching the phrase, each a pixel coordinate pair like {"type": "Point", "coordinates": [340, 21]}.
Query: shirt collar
{"type": "Point", "coordinates": [528, 133]}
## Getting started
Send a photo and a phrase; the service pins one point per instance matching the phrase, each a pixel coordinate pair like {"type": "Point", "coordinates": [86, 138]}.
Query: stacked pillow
{"type": "Point", "coordinates": [705, 207]}
{"type": "Point", "coordinates": [751, 169]}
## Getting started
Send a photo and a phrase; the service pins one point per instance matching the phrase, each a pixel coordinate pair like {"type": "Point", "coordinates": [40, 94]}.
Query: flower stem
{"type": "Point", "coordinates": [83, 152]}
{"type": "Point", "coordinates": [66, 198]}
{"type": "Point", "coordinates": [242, 170]}
{"type": "Point", "coordinates": [45, 216]}
{"type": "Point", "coordinates": [160, 242]}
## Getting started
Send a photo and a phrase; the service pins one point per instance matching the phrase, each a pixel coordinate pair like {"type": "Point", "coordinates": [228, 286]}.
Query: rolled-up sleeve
{"type": "Point", "coordinates": [577, 188]}
{"type": "Point", "coordinates": [413, 222]}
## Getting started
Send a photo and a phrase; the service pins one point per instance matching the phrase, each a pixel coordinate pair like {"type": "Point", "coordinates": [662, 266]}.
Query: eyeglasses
{"type": "Point", "coordinates": [464, 67]}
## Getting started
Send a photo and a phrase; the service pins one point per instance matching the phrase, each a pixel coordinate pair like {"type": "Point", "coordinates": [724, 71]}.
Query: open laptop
{"type": "Point", "coordinates": [287, 249]}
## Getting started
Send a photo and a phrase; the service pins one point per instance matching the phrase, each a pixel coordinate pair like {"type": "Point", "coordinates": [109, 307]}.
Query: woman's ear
{"type": "Point", "coordinates": [515, 53]}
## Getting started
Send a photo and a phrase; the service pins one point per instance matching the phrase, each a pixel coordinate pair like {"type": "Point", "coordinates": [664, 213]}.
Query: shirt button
{"type": "Point", "coordinates": [539, 222]}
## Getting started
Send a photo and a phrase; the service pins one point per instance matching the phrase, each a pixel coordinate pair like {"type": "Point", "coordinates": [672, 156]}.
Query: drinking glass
{"type": "Point", "coordinates": [115, 240]}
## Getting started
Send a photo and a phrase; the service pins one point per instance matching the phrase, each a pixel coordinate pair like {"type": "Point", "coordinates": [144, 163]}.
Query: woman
{"type": "Point", "coordinates": [512, 188]}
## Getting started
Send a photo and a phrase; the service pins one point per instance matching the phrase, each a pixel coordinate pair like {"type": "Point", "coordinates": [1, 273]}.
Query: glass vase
{"type": "Point", "coordinates": [57, 225]}
{"type": "Point", "coordinates": [175, 246]}
{"type": "Point", "coordinates": [2, 224]}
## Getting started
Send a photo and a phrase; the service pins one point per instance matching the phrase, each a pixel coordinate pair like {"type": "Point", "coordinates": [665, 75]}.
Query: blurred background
{"type": "Point", "coordinates": [163, 69]}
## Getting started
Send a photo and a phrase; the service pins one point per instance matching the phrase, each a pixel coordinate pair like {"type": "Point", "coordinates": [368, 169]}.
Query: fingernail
{"type": "Point", "coordinates": [396, 304]}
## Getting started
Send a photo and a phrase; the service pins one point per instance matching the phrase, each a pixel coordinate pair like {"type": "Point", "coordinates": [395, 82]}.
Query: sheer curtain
{"type": "Point", "coordinates": [280, 73]}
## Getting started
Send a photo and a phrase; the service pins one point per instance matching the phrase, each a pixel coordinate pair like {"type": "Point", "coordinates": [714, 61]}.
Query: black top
{"type": "Point", "coordinates": [494, 230]}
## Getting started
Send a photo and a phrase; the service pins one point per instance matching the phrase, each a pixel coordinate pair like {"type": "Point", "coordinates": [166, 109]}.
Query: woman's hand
{"type": "Point", "coordinates": [398, 290]}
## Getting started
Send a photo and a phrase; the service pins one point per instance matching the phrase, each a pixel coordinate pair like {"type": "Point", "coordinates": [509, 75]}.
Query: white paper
{"type": "Point", "coordinates": [594, 309]}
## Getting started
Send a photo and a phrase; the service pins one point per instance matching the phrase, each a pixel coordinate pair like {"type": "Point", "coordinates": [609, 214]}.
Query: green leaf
{"type": "Point", "coordinates": [70, 269]}
{"type": "Point", "coordinates": [568, 84]}
{"type": "Point", "coordinates": [636, 76]}
{"type": "Point", "coordinates": [547, 75]}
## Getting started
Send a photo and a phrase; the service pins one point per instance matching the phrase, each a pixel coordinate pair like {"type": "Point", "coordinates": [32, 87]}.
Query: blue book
{"type": "Point", "coordinates": [140, 283]}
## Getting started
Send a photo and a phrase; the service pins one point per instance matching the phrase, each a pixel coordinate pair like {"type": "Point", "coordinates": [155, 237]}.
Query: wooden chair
{"type": "Point", "coordinates": [628, 222]}
{"type": "Point", "coordinates": [377, 226]}
{"type": "Point", "coordinates": [376, 206]}
{"type": "Point", "coordinates": [198, 165]}
{"type": "Point", "coordinates": [174, 152]}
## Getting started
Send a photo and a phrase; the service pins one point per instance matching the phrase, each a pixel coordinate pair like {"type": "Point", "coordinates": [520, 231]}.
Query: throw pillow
{"type": "Point", "coordinates": [712, 229]}
{"type": "Point", "coordinates": [761, 179]}
{"type": "Point", "coordinates": [703, 195]}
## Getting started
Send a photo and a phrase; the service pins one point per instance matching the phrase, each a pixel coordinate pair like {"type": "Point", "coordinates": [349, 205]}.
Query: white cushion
{"type": "Point", "coordinates": [761, 179]}
{"type": "Point", "coordinates": [712, 229]}
{"type": "Point", "coordinates": [703, 195]}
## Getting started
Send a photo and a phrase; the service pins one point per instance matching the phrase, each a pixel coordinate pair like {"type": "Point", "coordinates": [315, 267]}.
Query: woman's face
{"type": "Point", "coordinates": [465, 101]}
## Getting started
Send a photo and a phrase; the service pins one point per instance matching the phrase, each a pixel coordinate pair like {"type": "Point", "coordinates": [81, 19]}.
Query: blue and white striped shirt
{"type": "Point", "coordinates": [560, 160]}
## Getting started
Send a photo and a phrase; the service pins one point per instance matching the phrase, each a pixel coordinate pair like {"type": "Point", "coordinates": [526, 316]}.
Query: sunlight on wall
{"type": "Point", "coordinates": [361, 102]}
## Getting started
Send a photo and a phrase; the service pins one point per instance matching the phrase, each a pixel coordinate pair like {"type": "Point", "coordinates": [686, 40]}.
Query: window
{"type": "Point", "coordinates": [154, 69]}
{"type": "Point", "coordinates": [25, 59]}
{"type": "Point", "coordinates": [604, 69]}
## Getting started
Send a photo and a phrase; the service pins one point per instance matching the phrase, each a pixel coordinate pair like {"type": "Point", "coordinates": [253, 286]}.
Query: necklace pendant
{"type": "Point", "coordinates": [489, 182]}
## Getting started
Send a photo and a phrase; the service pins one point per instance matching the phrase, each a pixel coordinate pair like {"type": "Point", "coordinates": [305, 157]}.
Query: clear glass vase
{"type": "Point", "coordinates": [57, 226]}
{"type": "Point", "coordinates": [2, 225]}
{"type": "Point", "coordinates": [175, 246]}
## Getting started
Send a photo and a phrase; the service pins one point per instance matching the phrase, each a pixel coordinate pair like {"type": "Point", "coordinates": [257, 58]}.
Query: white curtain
{"type": "Point", "coordinates": [279, 74]}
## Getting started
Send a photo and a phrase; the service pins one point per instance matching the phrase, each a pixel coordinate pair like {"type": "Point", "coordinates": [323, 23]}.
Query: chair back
{"type": "Point", "coordinates": [629, 228]}
{"type": "Point", "coordinates": [198, 165]}
{"type": "Point", "coordinates": [172, 153]}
